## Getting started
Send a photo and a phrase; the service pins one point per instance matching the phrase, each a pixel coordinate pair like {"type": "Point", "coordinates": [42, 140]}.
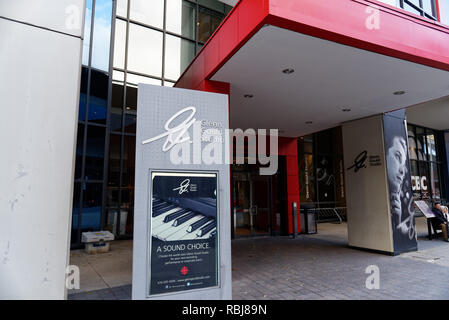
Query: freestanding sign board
{"type": "Point", "coordinates": [182, 196]}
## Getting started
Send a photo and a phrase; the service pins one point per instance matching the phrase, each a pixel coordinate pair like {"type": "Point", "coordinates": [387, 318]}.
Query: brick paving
{"type": "Point", "coordinates": [322, 267]}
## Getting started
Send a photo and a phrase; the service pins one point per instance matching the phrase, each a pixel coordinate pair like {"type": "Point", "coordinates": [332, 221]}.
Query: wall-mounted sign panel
{"type": "Point", "coordinates": [182, 196]}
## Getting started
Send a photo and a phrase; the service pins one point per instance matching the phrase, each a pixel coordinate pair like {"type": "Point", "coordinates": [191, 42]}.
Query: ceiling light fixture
{"type": "Point", "coordinates": [288, 71]}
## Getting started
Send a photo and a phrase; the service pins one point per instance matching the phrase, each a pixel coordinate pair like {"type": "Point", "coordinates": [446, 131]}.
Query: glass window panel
{"type": "Point", "coordinates": [424, 180]}
{"type": "Point", "coordinates": [435, 181]}
{"type": "Point", "coordinates": [118, 76]}
{"type": "Point", "coordinates": [178, 55]}
{"type": "Point", "coordinates": [126, 211]}
{"type": "Point", "coordinates": [148, 12]}
{"type": "Point", "coordinates": [131, 98]}
{"type": "Point", "coordinates": [213, 4]}
{"type": "Point", "coordinates": [181, 18]}
{"type": "Point", "coordinates": [94, 153]}
{"type": "Point", "coordinates": [83, 95]}
{"type": "Point", "coordinates": [412, 144]}
{"type": "Point", "coordinates": [91, 212]}
{"type": "Point", "coordinates": [102, 34]}
{"type": "Point", "coordinates": [79, 151]}
{"type": "Point", "coordinates": [135, 80]}
{"type": "Point", "coordinates": [420, 144]}
{"type": "Point", "coordinates": [122, 8]}
{"type": "Point", "coordinates": [431, 149]}
{"type": "Point", "coordinates": [428, 7]}
{"type": "Point", "coordinates": [168, 84]}
{"type": "Point", "coordinates": [145, 50]}
{"type": "Point", "coordinates": [119, 44]}
{"type": "Point", "coordinates": [75, 212]}
{"type": "Point", "coordinates": [98, 97]}
{"type": "Point", "coordinates": [307, 182]}
{"type": "Point", "coordinates": [208, 21]}
{"type": "Point", "coordinates": [87, 28]}
{"type": "Point", "coordinates": [116, 107]}
{"type": "Point", "coordinates": [130, 123]}
{"type": "Point", "coordinates": [114, 161]}
{"type": "Point", "coordinates": [444, 11]}
{"type": "Point", "coordinates": [411, 9]}
{"type": "Point", "coordinates": [325, 178]}
{"type": "Point", "coordinates": [394, 3]}
{"type": "Point", "coordinates": [129, 156]}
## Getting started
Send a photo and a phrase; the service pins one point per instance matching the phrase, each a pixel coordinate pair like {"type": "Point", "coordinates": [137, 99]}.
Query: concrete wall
{"type": "Point", "coordinates": [369, 222]}
{"type": "Point", "coordinates": [40, 58]}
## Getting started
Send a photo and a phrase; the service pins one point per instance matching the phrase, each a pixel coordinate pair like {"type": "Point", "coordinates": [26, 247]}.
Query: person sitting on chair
{"type": "Point", "coordinates": [440, 219]}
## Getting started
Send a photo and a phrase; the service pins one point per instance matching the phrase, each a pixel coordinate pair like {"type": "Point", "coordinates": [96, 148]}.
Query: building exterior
{"type": "Point", "coordinates": [154, 42]}
{"type": "Point", "coordinates": [337, 78]}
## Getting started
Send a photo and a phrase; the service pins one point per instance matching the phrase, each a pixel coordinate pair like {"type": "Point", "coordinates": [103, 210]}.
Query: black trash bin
{"type": "Point", "coordinates": [308, 219]}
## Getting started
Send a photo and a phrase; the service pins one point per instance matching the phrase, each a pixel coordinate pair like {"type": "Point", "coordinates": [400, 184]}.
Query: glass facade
{"type": "Point", "coordinates": [425, 8]}
{"type": "Point", "coordinates": [425, 163]}
{"type": "Point", "coordinates": [126, 42]}
{"type": "Point", "coordinates": [444, 11]}
{"type": "Point", "coordinates": [321, 169]}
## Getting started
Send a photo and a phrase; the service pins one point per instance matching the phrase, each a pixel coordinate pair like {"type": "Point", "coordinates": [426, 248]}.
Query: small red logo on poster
{"type": "Point", "coordinates": [184, 270]}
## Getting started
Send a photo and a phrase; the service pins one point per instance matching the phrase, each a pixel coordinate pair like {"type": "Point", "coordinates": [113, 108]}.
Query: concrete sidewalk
{"type": "Point", "coordinates": [310, 267]}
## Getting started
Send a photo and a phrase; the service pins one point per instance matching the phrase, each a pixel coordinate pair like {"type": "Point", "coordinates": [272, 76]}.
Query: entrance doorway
{"type": "Point", "coordinates": [259, 202]}
{"type": "Point", "coordinates": [252, 204]}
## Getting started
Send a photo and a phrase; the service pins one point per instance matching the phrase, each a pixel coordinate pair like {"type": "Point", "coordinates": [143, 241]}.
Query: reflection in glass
{"type": "Point", "coordinates": [428, 6]}
{"type": "Point", "coordinates": [83, 95]}
{"type": "Point", "coordinates": [98, 97]}
{"type": "Point", "coordinates": [412, 145]}
{"type": "Point", "coordinates": [129, 156]}
{"type": "Point", "coordinates": [91, 211]}
{"type": "Point", "coordinates": [148, 12]}
{"type": "Point", "coordinates": [131, 98]}
{"type": "Point", "coordinates": [208, 21]}
{"type": "Point", "coordinates": [116, 107]}
{"type": "Point", "coordinates": [102, 34]}
{"type": "Point", "coordinates": [135, 80]}
{"type": "Point", "coordinates": [79, 151]}
{"type": "Point", "coordinates": [122, 8]}
{"type": "Point", "coordinates": [435, 181]}
{"type": "Point", "coordinates": [444, 11]}
{"type": "Point", "coordinates": [130, 123]}
{"type": "Point", "coordinates": [145, 50]}
{"type": "Point", "coordinates": [178, 55]}
{"type": "Point", "coordinates": [94, 153]}
{"type": "Point", "coordinates": [119, 44]}
{"type": "Point", "coordinates": [87, 28]}
{"type": "Point", "coordinates": [114, 160]}
{"type": "Point", "coordinates": [181, 18]}
{"type": "Point", "coordinates": [75, 212]}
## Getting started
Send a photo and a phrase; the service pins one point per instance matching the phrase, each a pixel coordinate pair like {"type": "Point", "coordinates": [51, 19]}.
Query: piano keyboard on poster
{"type": "Point", "coordinates": [171, 222]}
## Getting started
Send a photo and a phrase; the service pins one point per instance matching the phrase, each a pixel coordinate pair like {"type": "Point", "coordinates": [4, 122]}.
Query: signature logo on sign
{"type": "Point", "coordinates": [359, 161]}
{"type": "Point", "coordinates": [183, 186]}
{"type": "Point", "coordinates": [178, 134]}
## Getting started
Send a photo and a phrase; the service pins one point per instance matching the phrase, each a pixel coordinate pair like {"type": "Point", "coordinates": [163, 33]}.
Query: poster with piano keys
{"type": "Point", "coordinates": [183, 231]}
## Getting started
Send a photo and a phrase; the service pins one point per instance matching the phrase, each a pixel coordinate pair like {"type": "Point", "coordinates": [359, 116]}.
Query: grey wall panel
{"type": "Point", "coordinates": [39, 91]}
{"type": "Point", "coordinates": [65, 16]}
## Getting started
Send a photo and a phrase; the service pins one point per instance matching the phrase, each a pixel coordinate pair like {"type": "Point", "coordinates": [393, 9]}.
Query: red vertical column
{"type": "Point", "coordinates": [289, 147]}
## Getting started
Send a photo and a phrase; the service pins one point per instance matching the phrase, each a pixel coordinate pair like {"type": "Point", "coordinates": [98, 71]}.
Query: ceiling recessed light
{"type": "Point", "coordinates": [309, 122]}
{"type": "Point", "coordinates": [346, 110]}
{"type": "Point", "coordinates": [288, 71]}
{"type": "Point", "coordinates": [249, 96]}
{"type": "Point", "coordinates": [399, 93]}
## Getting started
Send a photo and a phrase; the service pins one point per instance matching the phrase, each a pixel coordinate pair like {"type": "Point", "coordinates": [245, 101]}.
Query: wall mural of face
{"type": "Point", "coordinates": [396, 158]}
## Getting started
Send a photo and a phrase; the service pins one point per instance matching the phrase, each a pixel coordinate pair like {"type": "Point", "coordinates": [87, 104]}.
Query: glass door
{"type": "Point", "coordinates": [251, 205]}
